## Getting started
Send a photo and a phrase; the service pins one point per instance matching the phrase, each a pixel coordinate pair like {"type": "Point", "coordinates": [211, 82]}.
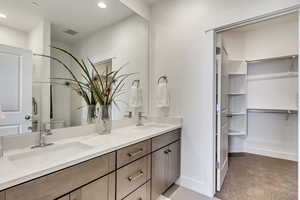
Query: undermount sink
{"type": "Point", "coordinates": [48, 154]}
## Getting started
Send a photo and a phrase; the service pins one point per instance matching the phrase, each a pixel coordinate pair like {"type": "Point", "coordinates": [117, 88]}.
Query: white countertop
{"type": "Point", "coordinates": [13, 173]}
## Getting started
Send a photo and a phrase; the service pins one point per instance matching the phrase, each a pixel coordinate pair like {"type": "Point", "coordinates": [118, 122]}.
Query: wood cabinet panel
{"type": "Point", "coordinates": [2, 196]}
{"type": "Point", "coordinates": [132, 176]}
{"type": "Point", "coordinates": [76, 195]}
{"type": "Point", "coordinates": [67, 197]}
{"type": "Point", "coordinates": [160, 164]}
{"type": "Point", "coordinates": [133, 152]}
{"type": "Point", "coordinates": [143, 193]}
{"type": "Point", "coordinates": [166, 139]}
{"type": "Point", "coordinates": [103, 189]}
{"type": "Point", "coordinates": [174, 163]}
{"type": "Point", "coordinates": [59, 183]}
{"type": "Point", "coordinates": [165, 168]}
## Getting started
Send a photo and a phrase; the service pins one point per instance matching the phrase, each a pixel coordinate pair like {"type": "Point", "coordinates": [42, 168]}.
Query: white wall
{"type": "Point", "coordinates": [264, 42]}
{"type": "Point", "coordinates": [126, 42]}
{"type": "Point", "coordinates": [13, 37]}
{"type": "Point", "coordinates": [234, 43]}
{"type": "Point", "coordinates": [182, 50]}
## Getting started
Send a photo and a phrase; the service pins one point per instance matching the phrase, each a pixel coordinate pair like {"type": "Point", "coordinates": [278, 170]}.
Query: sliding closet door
{"type": "Point", "coordinates": [222, 110]}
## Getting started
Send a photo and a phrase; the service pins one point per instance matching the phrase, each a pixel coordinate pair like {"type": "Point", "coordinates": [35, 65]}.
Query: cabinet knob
{"type": "Point", "coordinates": [166, 151]}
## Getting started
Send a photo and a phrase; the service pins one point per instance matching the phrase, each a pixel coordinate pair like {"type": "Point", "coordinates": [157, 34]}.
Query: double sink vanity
{"type": "Point", "coordinates": [131, 163]}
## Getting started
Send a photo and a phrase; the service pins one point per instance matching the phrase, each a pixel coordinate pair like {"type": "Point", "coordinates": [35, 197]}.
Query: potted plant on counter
{"type": "Point", "coordinates": [95, 88]}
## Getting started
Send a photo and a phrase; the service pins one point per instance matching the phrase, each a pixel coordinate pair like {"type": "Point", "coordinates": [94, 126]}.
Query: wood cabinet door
{"type": "Point", "coordinates": [174, 163]}
{"type": "Point", "coordinates": [2, 197]}
{"type": "Point", "coordinates": [103, 189]}
{"type": "Point", "coordinates": [67, 197]}
{"type": "Point", "coordinates": [160, 164]}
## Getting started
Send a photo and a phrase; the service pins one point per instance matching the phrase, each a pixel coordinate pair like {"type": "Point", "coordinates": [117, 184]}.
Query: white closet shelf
{"type": "Point", "coordinates": [272, 76]}
{"type": "Point", "coordinates": [268, 110]}
{"type": "Point", "coordinates": [272, 58]}
{"type": "Point", "coordinates": [236, 113]}
{"type": "Point", "coordinates": [236, 93]}
{"type": "Point", "coordinates": [236, 133]}
{"type": "Point", "coordinates": [237, 74]}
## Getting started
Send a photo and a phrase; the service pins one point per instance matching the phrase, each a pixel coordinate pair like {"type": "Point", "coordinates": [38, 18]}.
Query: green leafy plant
{"type": "Point", "coordinates": [94, 87]}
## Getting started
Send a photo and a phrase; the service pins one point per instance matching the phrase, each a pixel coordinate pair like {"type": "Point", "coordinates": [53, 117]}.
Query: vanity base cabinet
{"type": "Point", "coordinates": [165, 166]}
{"type": "Point", "coordinates": [103, 189]}
{"type": "Point", "coordinates": [63, 182]}
{"type": "Point", "coordinates": [142, 171]}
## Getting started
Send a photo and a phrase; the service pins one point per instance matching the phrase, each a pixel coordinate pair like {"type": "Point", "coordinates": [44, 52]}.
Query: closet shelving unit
{"type": "Point", "coordinates": [237, 97]}
{"type": "Point", "coordinates": [273, 73]}
{"type": "Point", "coordinates": [286, 74]}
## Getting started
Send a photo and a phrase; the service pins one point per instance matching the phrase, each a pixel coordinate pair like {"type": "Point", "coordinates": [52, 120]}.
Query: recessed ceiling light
{"type": "Point", "coordinates": [102, 5]}
{"type": "Point", "coordinates": [3, 16]}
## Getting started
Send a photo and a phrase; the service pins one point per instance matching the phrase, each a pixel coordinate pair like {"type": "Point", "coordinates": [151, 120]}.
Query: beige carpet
{"type": "Point", "coordinates": [180, 193]}
{"type": "Point", "coordinates": [253, 177]}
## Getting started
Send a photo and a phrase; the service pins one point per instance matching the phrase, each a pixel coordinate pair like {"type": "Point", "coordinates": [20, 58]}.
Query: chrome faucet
{"type": "Point", "coordinates": [140, 119]}
{"type": "Point", "coordinates": [129, 115]}
{"type": "Point", "coordinates": [42, 139]}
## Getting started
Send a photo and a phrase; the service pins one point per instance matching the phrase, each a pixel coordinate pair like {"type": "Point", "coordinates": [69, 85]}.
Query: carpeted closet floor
{"type": "Point", "coordinates": [253, 177]}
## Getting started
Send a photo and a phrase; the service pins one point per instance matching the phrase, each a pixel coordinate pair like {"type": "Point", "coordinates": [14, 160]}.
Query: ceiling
{"type": "Point", "coordinates": [82, 16]}
{"type": "Point", "coordinates": [150, 1]}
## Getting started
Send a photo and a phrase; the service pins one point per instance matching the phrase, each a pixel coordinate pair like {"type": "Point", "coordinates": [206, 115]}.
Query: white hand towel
{"type": "Point", "coordinates": [163, 100]}
{"type": "Point", "coordinates": [136, 97]}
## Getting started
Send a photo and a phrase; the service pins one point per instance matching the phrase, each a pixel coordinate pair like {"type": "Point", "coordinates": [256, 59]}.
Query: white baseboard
{"type": "Point", "coordinates": [271, 153]}
{"type": "Point", "coordinates": [194, 185]}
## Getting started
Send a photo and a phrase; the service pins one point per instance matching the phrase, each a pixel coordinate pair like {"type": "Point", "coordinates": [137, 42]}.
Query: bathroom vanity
{"type": "Point", "coordinates": [140, 171]}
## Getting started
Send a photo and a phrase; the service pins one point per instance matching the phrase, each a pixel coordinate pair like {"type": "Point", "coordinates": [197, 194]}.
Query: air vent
{"type": "Point", "coordinates": [71, 32]}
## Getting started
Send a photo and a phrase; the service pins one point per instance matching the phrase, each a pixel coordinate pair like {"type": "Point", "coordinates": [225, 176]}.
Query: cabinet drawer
{"type": "Point", "coordinates": [103, 187]}
{"type": "Point", "coordinates": [164, 140]}
{"type": "Point", "coordinates": [132, 176]}
{"type": "Point", "coordinates": [143, 193]}
{"type": "Point", "coordinates": [54, 185]}
{"type": "Point", "coordinates": [133, 152]}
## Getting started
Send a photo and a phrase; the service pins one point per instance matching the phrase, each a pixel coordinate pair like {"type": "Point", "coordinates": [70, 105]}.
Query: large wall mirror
{"type": "Point", "coordinates": [34, 90]}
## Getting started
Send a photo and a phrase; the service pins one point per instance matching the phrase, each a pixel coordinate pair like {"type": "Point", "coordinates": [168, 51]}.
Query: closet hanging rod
{"type": "Point", "coordinates": [272, 58]}
{"type": "Point", "coordinates": [273, 111]}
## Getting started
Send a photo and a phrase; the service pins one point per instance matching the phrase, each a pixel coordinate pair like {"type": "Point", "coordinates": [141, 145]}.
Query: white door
{"type": "Point", "coordinates": [15, 89]}
{"type": "Point", "coordinates": [222, 120]}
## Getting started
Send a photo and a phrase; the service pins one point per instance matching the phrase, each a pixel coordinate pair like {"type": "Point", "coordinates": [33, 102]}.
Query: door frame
{"type": "Point", "coordinates": [212, 33]}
